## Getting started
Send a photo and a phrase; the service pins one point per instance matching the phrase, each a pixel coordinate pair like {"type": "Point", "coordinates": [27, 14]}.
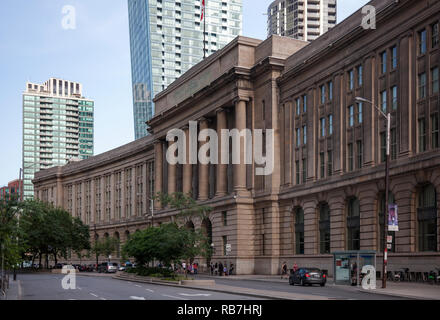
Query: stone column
{"type": "Point", "coordinates": [158, 171]}
{"type": "Point", "coordinates": [172, 173]}
{"type": "Point", "coordinates": [203, 169]}
{"type": "Point", "coordinates": [222, 169]}
{"type": "Point", "coordinates": [187, 167]}
{"type": "Point", "coordinates": [240, 124]}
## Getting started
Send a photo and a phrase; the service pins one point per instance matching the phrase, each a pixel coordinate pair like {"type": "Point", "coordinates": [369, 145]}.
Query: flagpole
{"type": "Point", "coordinates": [204, 29]}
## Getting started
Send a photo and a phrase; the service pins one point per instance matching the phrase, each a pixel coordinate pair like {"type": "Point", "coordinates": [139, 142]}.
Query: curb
{"type": "Point", "coordinates": [256, 295]}
{"type": "Point", "coordinates": [397, 295]}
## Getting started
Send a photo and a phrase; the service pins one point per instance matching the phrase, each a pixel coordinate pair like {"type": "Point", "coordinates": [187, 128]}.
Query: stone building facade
{"type": "Point", "coordinates": [326, 192]}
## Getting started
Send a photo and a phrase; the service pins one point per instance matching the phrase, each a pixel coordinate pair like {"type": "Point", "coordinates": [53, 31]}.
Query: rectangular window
{"type": "Point", "coordinates": [434, 131]}
{"type": "Point", "coordinates": [305, 103]}
{"type": "Point", "coordinates": [435, 33]}
{"type": "Point", "coordinates": [422, 135]}
{"type": "Point", "coordinates": [304, 135]}
{"type": "Point", "coordinates": [304, 174]}
{"type": "Point", "coordinates": [422, 42]}
{"type": "Point", "coordinates": [360, 75]}
{"type": "Point", "coordinates": [329, 163]}
{"type": "Point", "coordinates": [383, 61]}
{"type": "Point", "coordinates": [298, 106]}
{"type": "Point", "coordinates": [298, 137]}
{"type": "Point", "coordinates": [383, 147]}
{"type": "Point", "coordinates": [383, 101]}
{"type": "Point", "coordinates": [393, 144]}
{"type": "Point", "coordinates": [225, 218]}
{"type": "Point", "coordinates": [360, 151]}
{"type": "Point", "coordinates": [422, 85]}
{"type": "Point", "coordinates": [350, 80]}
{"type": "Point", "coordinates": [330, 124]}
{"type": "Point", "coordinates": [298, 178]}
{"type": "Point", "coordinates": [330, 91]}
{"type": "Point", "coordinates": [351, 116]}
{"type": "Point", "coordinates": [394, 57]}
{"type": "Point", "coordinates": [360, 117]}
{"type": "Point", "coordinates": [322, 127]}
{"type": "Point", "coordinates": [394, 101]}
{"type": "Point", "coordinates": [434, 80]}
{"type": "Point", "coordinates": [322, 94]}
{"type": "Point", "coordinates": [322, 164]}
{"type": "Point", "coordinates": [350, 157]}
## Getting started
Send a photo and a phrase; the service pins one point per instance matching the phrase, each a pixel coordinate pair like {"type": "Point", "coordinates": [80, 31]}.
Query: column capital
{"type": "Point", "coordinates": [240, 98]}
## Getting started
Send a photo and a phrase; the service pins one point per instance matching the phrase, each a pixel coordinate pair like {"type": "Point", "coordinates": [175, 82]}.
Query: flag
{"type": "Point", "coordinates": [203, 10]}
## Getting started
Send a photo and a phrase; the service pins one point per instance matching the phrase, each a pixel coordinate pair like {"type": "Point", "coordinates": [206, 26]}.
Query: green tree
{"type": "Point", "coordinates": [104, 247]}
{"type": "Point", "coordinates": [11, 247]}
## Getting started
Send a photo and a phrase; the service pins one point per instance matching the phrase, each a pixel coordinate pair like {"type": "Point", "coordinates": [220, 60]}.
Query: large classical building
{"type": "Point", "coordinates": [326, 192]}
{"type": "Point", "coordinates": [166, 39]}
{"type": "Point", "coordinates": [57, 127]}
{"type": "Point", "coordinates": [301, 19]}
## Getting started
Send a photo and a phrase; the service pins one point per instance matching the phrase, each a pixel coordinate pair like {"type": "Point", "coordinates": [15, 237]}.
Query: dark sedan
{"type": "Point", "coordinates": [308, 276]}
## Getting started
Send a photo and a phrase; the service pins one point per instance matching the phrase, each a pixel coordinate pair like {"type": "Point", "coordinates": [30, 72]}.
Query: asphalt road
{"type": "Point", "coordinates": [330, 291]}
{"type": "Point", "coordinates": [49, 287]}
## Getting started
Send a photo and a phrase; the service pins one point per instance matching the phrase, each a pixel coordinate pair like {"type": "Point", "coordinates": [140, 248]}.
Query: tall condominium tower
{"type": "Point", "coordinates": [166, 39]}
{"type": "Point", "coordinates": [301, 19]}
{"type": "Point", "coordinates": [57, 127]}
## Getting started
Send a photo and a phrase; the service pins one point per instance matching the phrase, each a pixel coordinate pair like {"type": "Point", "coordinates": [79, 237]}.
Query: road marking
{"type": "Point", "coordinates": [102, 298]}
{"type": "Point", "coordinates": [195, 294]}
{"type": "Point", "coordinates": [137, 298]}
{"type": "Point", "coordinates": [149, 290]}
{"type": "Point", "coordinates": [165, 295]}
{"type": "Point", "coordinates": [94, 295]}
{"type": "Point", "coordinates": [136, 285]}
{"type": "Point", "coordinates": [79, 288]}
{"type": "Point", "coordinates": [20, 290]}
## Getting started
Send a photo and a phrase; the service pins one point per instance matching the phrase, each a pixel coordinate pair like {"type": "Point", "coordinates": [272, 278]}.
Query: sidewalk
{"type": "Point", "coordinates": [396, 289]}
{"type": "Point", "coordinates": [14, 292]}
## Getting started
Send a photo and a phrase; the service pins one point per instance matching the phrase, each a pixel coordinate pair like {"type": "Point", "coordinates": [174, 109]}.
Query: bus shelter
{"type": "Point", "coordinates": [347, 266]}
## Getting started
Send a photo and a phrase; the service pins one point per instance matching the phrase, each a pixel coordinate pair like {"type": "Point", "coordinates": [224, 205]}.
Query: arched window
{"type": "Point", "coordinates": [353, 225]}
{"type": "Point", "coordinates": [324, 228]}
{"type": "Point", "coordinates": [427, 218]}
{"type": "Point", "coordinates": [299, 231]}
{"type": "Point", "coordinates": [382, 210]}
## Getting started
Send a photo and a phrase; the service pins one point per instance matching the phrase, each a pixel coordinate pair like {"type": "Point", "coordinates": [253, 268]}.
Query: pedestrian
{"type": "Point", "coordinates": [283, 270]}
{"type": "Point", "coordinates": [220, 269]}
{"type": "Point", "coordinates": [195, 267]}
{"type": "Point", "coordinates": [184, 267]}
{"type": "Point", "coordinates": [216, 269]}
{"type": "Point", "coordinates": [225, 269]}
{"type": "Point", "coordinates": [212, 269]}
{"type": "Point", "coordinates": [231, 269]}
{"type": "Point", "coordinates": [190, 270]}
{"type": "Point", "coordinates": [295, 267]}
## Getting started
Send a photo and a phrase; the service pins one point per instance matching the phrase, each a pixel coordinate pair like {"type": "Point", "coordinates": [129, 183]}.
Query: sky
{"type": "Point", "coordinates": [34, 47]}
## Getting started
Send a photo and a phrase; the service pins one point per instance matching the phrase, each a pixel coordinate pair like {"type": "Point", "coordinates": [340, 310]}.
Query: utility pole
{"type": "Point", "coordinates": [94, 228]}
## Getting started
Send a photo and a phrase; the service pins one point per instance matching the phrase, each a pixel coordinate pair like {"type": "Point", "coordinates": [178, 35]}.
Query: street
{"type": "Point", "coordinates": [104, 287]}
{"type": "Point", "coordinates": [48, 287]}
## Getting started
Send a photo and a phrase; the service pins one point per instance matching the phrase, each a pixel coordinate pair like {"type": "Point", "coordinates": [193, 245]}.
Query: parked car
{"type": "Point", "coordinates": [108, 267]}
{"type": "Point", "coordinates": [308, 276]}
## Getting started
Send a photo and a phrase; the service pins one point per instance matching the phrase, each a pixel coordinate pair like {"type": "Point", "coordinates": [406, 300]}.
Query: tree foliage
{"type": "Point", "coordinates": [51, 231]}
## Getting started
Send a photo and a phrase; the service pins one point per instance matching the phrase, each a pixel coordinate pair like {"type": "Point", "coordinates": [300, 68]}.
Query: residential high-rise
{"type": "Point", "coordinates": [57, 127]}
{"type": "Point", "coordinates": [166, 39]}
{"type": "Point", "coordinates": [301, 19]}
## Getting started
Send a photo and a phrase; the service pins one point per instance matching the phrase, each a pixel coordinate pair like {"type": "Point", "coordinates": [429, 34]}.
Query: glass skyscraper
{"type": "Point", "coordinates": [166, 39]}
{"type": "Point", "coordinates": [57, 127]}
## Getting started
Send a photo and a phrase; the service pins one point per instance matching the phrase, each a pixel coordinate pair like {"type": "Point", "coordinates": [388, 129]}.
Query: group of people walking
{"type": "Point", "coordinates": [219, 269]}
{"type": "Point", "coordinates": [284, 273]}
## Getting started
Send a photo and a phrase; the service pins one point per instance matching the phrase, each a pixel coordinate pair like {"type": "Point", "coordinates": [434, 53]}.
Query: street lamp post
{"type": "Point", "coordinates": [387, 187]}
{"type": "Point", "coordinates": [94, 229]}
